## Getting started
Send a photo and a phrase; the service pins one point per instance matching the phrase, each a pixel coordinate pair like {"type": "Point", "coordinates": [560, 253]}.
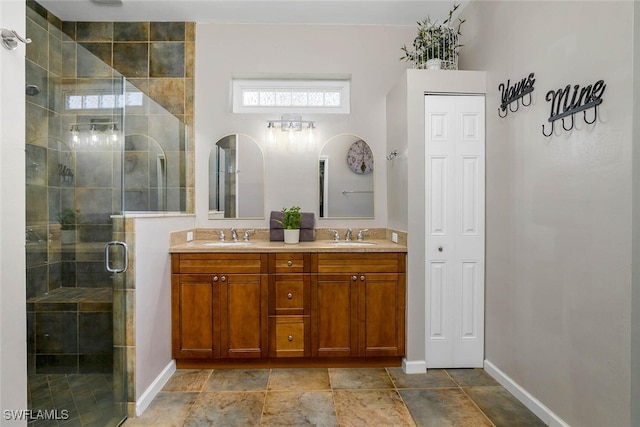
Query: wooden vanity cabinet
{"type": "Point", "coordinates": [358, 304]}
{"type": "Point", "coordinates": [219, 306]}
{"type": "Point", "coordinates": [267, 307]}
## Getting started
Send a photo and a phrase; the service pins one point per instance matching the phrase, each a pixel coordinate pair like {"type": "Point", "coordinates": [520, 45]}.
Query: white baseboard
{"type": "Point", "coordinates": [544, 413]}
{"type": "Point", "coordinates": [414, 366]}
{"type": "Point", "coordinates": [145, 400]}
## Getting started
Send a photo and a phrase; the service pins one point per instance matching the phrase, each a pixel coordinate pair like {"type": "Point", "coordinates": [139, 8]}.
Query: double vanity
{"type": "Point", "coordinates": [260, 303]}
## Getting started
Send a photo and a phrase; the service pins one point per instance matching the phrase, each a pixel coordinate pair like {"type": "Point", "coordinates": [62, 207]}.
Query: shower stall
{"type": "Point", "coordinates": [97, 148]}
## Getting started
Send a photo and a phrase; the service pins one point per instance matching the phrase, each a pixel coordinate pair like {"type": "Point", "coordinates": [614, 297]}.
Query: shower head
{"type": "Point", "coordinates": [32, 90]}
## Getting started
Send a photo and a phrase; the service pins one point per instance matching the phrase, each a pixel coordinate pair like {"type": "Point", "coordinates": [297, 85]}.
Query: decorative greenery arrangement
{"type": "Point", "coordinates": [68, 219]}
{"type": "Point", "coordinates": [435, 41]}
{"type": "Point", "coordinates": [292, 218]}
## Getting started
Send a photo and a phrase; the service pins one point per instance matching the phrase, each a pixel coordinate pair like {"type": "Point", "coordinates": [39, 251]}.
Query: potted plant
{"type": "Point", "coordinates": [291, 224]}
{"type": "Point", "coordinates": [436, 45]}
{"type": "Point", "coordinates": [68, 219]}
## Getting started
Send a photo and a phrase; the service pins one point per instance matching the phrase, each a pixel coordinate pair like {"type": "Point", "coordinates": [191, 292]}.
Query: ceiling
{"type": "Point", "coordinates": [351, 12]}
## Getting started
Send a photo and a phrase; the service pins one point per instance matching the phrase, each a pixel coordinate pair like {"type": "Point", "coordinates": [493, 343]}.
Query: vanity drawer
{"type": "Point", "coordinates": [289, 295]}
{"type": "Point", "coordinates": [351, 263]}
{"type": "Point", "coordinates": [290, 263]}
{"type": "Point", "coordinates": [221, 263]}
{"type": "Point", "coordinates": [290, 336]}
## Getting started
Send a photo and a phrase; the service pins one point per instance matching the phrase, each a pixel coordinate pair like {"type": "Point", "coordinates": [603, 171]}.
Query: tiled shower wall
{"type": "Point", "coordinates": [158, 59]}
{"type": "Point", "coordinates": [155, 57]}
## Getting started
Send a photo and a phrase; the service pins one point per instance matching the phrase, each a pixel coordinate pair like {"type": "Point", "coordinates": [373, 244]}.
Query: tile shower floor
{"type": "Point", "coordinates": [334, 397]}
{"type": "Point", "coordinates": [87, 400]}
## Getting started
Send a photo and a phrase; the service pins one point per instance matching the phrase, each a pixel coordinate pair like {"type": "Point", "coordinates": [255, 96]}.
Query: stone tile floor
{"type": "Point", "coordinates": [83, 400]}
{"type": "Point", "coordinates": [334, 397]}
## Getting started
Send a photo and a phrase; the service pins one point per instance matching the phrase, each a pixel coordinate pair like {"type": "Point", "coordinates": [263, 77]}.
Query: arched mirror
{"type": "Point", "coordinates": [236, 178]}
{"type": "Point", "coordinates": [346, 169]}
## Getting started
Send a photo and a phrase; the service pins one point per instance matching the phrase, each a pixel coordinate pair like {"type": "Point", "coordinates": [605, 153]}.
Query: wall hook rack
{"type": "Point", "coordinates": [9, 39]}
{"type": "Point", "coordinates": [567, 101]}
{"type": "Point", "coordinates": [514, 93]}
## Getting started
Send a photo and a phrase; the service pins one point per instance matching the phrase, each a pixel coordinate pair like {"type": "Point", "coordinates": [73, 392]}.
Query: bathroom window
{"type": "Point", "coordinates": [99, 101]}
{"type": "Point", "coordinates": [291, 95]}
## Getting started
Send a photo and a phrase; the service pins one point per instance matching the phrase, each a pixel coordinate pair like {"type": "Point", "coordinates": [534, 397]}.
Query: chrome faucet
{"type": "Point", "coordinates": [336, 235]}
{"type": "Point", "coordinates": [234, 234]}
{"type": "Point", "coordinates": [245, 236]}
{"type": "Point", "coordinates": [361, 235]}
{"type": "Point", "coordinates": [221, 235]}
{"type": "Point", "coordinates": [347, 236]}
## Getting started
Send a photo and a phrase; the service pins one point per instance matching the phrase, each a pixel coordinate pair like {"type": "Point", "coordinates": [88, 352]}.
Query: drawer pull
{"type": "Point", "coordinates": [215, 278]}
{"type": "Point", "coordinates": [354, 278]}
{"type": "Point", "coordinates": [223, 278]}
{"type": "Point", "coordinates": [362, 278]}
{"type": "Point", "coordinates": [290, 337]}
{"type": "Point", "coordinates": [289, 295]}
{"type": "Point", "coordinates": [289, 263]}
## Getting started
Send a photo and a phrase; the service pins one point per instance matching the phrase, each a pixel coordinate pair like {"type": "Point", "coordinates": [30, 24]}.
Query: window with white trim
{"type": "Point", "coordinates": [291, 96]}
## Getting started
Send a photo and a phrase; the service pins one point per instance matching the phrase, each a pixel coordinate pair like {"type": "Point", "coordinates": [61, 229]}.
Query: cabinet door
{"type": "Point", "coordinates": [334, 308]}
{"type": "Point", "coordinates": [243, 315]}
{"type": "Point", "coordinates": [195, 316]}
{"type": "Point", "coordinates": [381, 314]}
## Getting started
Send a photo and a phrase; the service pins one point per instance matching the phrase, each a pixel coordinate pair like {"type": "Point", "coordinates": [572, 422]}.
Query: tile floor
{"type": "Point", "coordinates": [87, 400]}
{"type": "Point", "coordinates": [334, 397]}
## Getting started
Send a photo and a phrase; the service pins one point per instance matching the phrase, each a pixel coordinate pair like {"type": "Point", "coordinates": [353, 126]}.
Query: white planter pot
{"type": "Point", "coordinates": [67, 237]}
{"type": "Point", "coordinates": [291, 237]}
{"type": "Point", "coordinates": [434, 64]}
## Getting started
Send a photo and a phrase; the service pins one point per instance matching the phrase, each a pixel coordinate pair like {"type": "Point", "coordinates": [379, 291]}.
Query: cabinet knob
{"type": "Point", "coordinates": [354, 278]}
{"type": "Point", "coordinates": [440, 249]}
{"type": "Point", "coordinates": [290, 337]}
{"type": "Point", "coordinates": [289, 263]}
{"type": "Point", "coordinates": [223, 278]}
{"type": "Point", "coordinates": [289, 295]}
{"type": "Point", "coordinates": [215, 278]}
{"type": "Point", "coordinates": [362, 278]}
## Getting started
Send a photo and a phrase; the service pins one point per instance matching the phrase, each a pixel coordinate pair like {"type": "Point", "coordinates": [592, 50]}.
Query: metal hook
{"type": "Point", "coordinates": [595, 115]}
{"type": "Point", "coordinates": [517, 106]}
{"type": "Point", "coordinates": [526, 105]}
{"type": "Point", "coordinates": [505, 113]}
{"type": "Point", "coordinates": [572, 124]}
{"type": "Point", "coordinates": [9, 39]}
{"type": "Point", "coordinates": [550, 133]}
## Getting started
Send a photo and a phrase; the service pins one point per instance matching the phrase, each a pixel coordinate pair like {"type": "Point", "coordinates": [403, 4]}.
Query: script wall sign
{"type": "Point", "coordinates": [565, 102]}
{"type": "Point", "coordinates": [512, 93]}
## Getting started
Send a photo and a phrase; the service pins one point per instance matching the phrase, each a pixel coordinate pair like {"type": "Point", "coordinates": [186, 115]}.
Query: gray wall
{"type": "Point", "coordinates": [635, 317]}
{"type": "Point", "coordinates": [13, 349]}
{"type": "Point", "coordinates": [559, 218]}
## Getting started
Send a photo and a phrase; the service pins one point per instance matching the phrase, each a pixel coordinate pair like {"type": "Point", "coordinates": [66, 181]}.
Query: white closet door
{"type": "Point", "coordinates": [454, 185]}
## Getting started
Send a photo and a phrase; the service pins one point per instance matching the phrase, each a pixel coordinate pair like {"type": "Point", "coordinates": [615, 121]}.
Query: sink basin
{"type": "Point", "coordinates": [351, 243]}
{"type": "Point", "coordinates": [230, 244]}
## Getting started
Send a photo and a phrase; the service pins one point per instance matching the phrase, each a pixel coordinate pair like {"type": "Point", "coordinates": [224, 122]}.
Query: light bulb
{"type": "Point", "coordinates": [311, 136]}
{"type": "Point", "coordinates": [271, 135]}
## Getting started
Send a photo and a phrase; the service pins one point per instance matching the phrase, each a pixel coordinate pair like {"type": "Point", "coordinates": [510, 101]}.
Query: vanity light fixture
{"type": "Point", "coordinates": [94, 132]}
{"type": "Point", "coordinates": [291, 125]}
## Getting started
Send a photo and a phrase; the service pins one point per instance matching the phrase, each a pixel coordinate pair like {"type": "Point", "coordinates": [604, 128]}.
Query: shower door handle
{"type": "Point", "coordinates": [107, 257]}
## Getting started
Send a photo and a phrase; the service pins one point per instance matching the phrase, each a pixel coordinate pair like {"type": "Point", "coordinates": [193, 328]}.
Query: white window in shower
{"type": "Point", "coordinates": [101, 101]}
{"type": "Point", "coordinates": [291, 95]}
